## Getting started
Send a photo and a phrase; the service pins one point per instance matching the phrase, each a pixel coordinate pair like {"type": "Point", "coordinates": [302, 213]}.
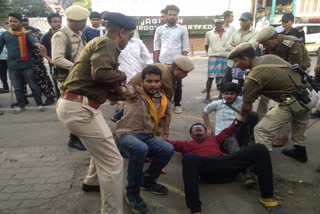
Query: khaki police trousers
{"type": "Point", "coordinates": [106, 164]}
{"type": "Point", "coordinates": [262, 110]}
{"type": "Point", "coordinates": [276, 119]}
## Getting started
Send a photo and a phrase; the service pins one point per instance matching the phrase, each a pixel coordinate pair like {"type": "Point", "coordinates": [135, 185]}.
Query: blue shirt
{"type": "Point", "coordinates": [12, 43]}
{"type": "Point", "coordinates": [224, 114]}
{"type": "Point", "coordinates": [91, 33]}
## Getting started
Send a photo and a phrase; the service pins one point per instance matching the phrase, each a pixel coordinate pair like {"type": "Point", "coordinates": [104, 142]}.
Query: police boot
{"type": "Point", "coordinates": [75, 143]}
{"type": "Point", "coordinates": [297, 152]}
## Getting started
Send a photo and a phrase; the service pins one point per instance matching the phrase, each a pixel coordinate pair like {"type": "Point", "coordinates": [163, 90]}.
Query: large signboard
{"type": "Point", "coordinates": [196, 25]}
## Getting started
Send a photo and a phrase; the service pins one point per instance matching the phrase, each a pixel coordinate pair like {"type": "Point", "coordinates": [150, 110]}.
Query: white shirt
{"type": "Point", "coordinates": [279, 29]}
{"type": "Point", "coordinates": [171, 41]}
{"type": "Point", "coordinates": [262, 23]}
{"type": "Point", "coordinates": [224, 114]}
{"type": "Point", "coordinates": [230, 29]}
{"type": "Point", "coordinates": [217, 44]}
{"type": "Point", "coordinates": [134, 58]}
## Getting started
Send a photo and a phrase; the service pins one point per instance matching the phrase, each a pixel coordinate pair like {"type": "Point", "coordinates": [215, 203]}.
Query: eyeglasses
{"type": "Point", "coordinates": [284, 21]}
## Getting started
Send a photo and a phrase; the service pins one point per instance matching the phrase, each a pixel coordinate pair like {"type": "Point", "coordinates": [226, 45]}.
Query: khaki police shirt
{"type": "Point", "coordinates": [59, 44]}
{"type": "Point", "coordinates": [292, 50]}
{"type": "Point", "coordinates": [272, 82]}
{"type": "Point", "coordinates": [168, 82]}
{"type": "Point", "coordinates": [136, 118]}
{"type": "Point", "coordinates": [95, 71]}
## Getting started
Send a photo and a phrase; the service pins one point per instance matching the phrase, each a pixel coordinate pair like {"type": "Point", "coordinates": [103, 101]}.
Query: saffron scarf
{"type": "Point", "coordinates": [154, 112]}
{"type": "Point", "coordinates": [22, 42]}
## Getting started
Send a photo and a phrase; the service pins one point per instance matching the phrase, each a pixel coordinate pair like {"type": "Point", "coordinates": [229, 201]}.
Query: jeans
{"type": "Point", "coordinates": [223, 168]}
{"type": "Point", "coordinates": [3, 74]}
{"type": "Point", "coordinates": [136, 147]}
{"type": "Point", "coordinates": [178, 93]}
{"type": "Point", "coordinates": [17, 77]}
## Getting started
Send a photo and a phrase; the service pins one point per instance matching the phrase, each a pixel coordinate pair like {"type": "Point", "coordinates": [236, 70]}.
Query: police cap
{"type": "Point", "coordinates": [265, 34]}
{"type": "Point", "coordinates": [244, 49]}
{"type": "Point", "coordinates": [246, 16]}
{"type": "Point", "coordinates": [184, 63]}
{"type": "Point", "coordinates": [121, 20]}
{"type": "Point", "coordinates": [77, 13]}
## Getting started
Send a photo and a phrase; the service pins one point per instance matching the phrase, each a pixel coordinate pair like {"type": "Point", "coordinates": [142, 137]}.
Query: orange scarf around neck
{"type": "Point", "coordinates": [22, 42]}
{"type": "Point", "coordinates": [156, 114]}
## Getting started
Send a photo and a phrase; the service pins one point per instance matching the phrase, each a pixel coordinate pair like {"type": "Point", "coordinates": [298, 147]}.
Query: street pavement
{"type": "Point", "coordinates": [40, 174]}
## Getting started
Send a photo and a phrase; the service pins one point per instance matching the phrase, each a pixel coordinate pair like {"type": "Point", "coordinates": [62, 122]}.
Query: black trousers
{"type": "Point", "coordinates": [178, 93]}
{"type": "Point", "coordinates": [223, 168]}
{"type": "Point", "coordinates": [228, 77]}
{"type": "Point", "coordinates": [3, 74]}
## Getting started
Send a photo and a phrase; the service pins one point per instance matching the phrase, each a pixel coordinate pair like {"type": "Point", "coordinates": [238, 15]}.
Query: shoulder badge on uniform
{"type": "Point", "coordinates": [288, 43]}
{"type": "Point", "coordinates": [56, 35]}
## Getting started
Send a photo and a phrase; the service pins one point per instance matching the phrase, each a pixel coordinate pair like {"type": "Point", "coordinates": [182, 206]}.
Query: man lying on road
{"type": "Point", "coordinates": [202, 157]}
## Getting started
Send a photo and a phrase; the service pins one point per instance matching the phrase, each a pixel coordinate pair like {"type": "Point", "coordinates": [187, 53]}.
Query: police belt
{"type": "Point", "coordinates": [79, 99]}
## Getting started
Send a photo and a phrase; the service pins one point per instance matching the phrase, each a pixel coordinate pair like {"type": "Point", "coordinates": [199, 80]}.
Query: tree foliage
{"type": "Point", "coordinates": [84, 3]}
{"type": "Point", "coordinates": [5, 8]}
{"type": "Point", "coordinates": [31, 8]}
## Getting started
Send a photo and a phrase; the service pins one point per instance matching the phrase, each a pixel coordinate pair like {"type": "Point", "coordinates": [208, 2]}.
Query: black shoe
{"type": "Point", "coordinates": [90, 188]}
{"type": "Point", "coordinates": [315, 114]}
{"type": "Point", "coordinates": [136, 204]}
{"type": "Point", "coordinates": [49, 101]}
{"type": "Point", "coordinates": [4, 91]}
{"type": "Point", "coordinates": [297, 152]}
{"type": "Point", "coordinates": [75, 143]}
{"type": "Point", "coordinates": [155, 188]}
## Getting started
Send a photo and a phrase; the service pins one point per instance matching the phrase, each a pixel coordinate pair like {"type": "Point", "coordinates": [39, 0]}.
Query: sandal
{"type": "Point", "coordinates": [273, 207]}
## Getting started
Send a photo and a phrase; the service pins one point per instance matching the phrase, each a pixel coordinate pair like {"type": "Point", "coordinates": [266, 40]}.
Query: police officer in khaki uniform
{"type": "Point", "coordinates": [66, 47]}
{"type": "Point", "coordinates": [93, 79]}
{"type": "Point", "coordinates": [76, 21]}
{"type": "Point", "coordinates": [292, 50]}
{"type": "Point", "coordinates": [178, 70]}
{"type": "Point", "coordinates": [289, 48]}
{"type": "Point", "coordinates": [273, 77]}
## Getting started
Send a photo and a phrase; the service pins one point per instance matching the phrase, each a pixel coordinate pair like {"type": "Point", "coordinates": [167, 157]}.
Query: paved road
{"type": "Point", "coordinates": [40, 174]}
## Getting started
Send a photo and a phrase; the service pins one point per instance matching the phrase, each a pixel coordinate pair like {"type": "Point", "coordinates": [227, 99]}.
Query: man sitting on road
{"type": "Point", "coordinates": [136, 139]}
{"type": "Point", "coordinates": [202, 157]}
{"type": "Point", "coordinates": [226, 111]}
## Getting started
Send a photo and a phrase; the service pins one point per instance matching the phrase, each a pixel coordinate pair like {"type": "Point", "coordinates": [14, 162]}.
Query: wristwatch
{"type": "Point", "coordinates": [237, 122]}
